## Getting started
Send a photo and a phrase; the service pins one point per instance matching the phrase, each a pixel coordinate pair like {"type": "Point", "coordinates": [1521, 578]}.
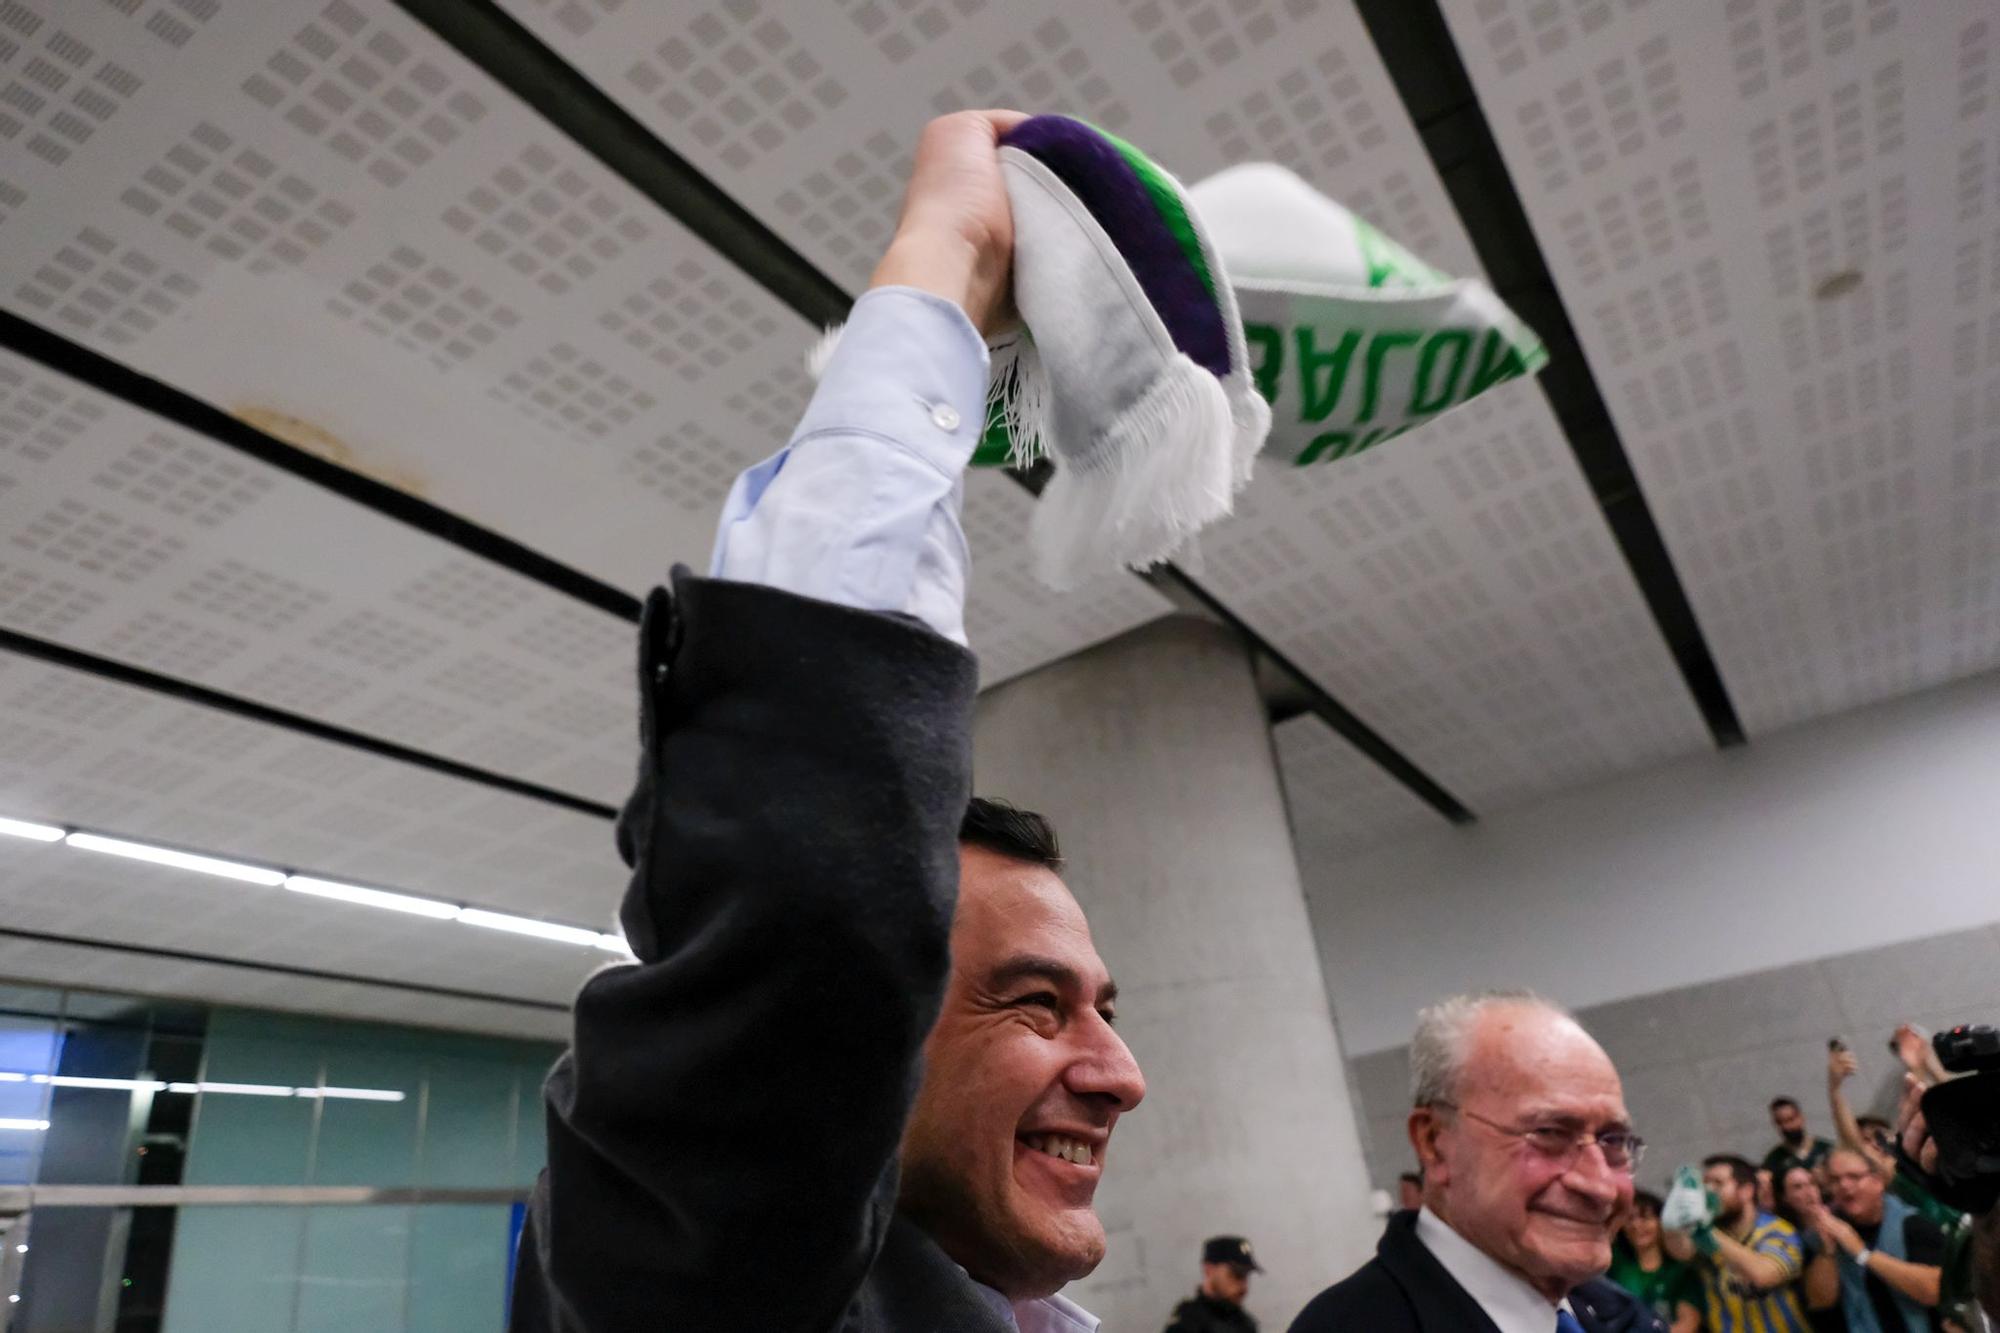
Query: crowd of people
{"type": "Point", "coordinates": [1826, 1235]}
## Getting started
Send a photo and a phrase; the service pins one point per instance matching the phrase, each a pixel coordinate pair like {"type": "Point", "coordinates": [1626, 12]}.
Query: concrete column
{"type": "Point", "coordinates": [1153, 756]}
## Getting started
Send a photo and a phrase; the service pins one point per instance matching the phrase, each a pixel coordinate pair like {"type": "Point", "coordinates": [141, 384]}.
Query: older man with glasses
{"type": "Point", "coordinates": [1519, 1124]}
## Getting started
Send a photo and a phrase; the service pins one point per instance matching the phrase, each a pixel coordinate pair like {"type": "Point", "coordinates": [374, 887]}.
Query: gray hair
{"type": "Point", "coordinates": [1444, 1030]}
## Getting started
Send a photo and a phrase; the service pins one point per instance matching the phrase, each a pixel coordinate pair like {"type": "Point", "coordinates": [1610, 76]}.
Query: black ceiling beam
{"type": "Point", "coordinates": [75, 659]}
{"type": "Point", "coordinates": [57, 353]}
{"type": "Point", "coordinates": [514, 57]}
{"type": "Point", "coordinates": [282, 969]}
{"type": "Point", "coordinates": [1416, 45]}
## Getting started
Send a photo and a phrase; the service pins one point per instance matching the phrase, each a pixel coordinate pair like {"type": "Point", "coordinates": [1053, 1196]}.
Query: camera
{"type": "Point", "coordinates": [1963, 1115]}
{"type": "Point", "coordinates": [1969, 1048]}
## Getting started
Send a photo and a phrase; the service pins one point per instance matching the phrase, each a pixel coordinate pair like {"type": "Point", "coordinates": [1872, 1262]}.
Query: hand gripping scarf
{"type": "Point", "coordinates": [1133, 372]}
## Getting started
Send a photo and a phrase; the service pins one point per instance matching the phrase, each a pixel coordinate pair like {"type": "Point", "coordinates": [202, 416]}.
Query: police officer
{"type": "Point", "coordinates": [1226, 1266]}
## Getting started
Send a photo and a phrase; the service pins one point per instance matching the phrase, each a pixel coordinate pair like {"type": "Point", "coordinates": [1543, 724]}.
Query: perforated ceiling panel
{"type": "Point", "coordinates": [317, 216]}
{"type": "Point", "coordinates": [55, 889]}
{"type": "Point", "coordinates": [137, 540]}
{"type": "Point", "coordinates": [79, 750]}
{"type": "Point", "coordinates": [1777, 228]}
{"type": "Point", "coordinates": [1458, 590]}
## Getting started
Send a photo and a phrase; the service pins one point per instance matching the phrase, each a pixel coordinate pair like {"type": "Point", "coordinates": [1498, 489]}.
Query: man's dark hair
{"type": "Point", "coordinates": [1792, 1102]}
{"type": "Point", "coordinates": [1414, 1177]}
{"type": "Point", "coordinates": [1864, 1123]}
{"type": "Point", "coordinates": [1011, 831]}
{"type": "Point", "coordinates": [1739, 1167]}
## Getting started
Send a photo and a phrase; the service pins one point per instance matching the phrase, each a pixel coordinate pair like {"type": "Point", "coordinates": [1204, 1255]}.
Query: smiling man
{"type": "Point", "coordinates": [1520, 1126]}
{"type": "Point", "coordinates": [862, 1076]}
{"type": "Point", "coordinates": [1024, 1077]}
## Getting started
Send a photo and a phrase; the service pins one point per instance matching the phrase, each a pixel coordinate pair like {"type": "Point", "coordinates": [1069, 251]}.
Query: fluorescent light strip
{"type": "Point", "coordinates": [359, 894]}
{"type": "Point", "coordinates": [21, 828]}
{"type": "Point", "coordinates": [247, 1089]}
{"type": "Point", "coordinates": [528, 925]}
{"type": "Point", "coordinates": [126, 1084]}
{"type": "Point", "coordinates": [366, 897]}
{"type": "Point", "coordinates": [165, 856]}
{"type": "Point", "coordinates": [32, 1126]}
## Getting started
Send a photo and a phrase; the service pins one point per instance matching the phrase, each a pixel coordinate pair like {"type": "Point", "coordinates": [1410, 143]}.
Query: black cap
{"type": "Point", "coordinates": [1229, 1250]}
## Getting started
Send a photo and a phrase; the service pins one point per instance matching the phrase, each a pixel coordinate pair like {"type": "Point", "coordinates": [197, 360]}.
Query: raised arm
{"type": "Point", "coordinates": [722, 1132]}
{"type": "Point", "coordinates": [1840, 1066]}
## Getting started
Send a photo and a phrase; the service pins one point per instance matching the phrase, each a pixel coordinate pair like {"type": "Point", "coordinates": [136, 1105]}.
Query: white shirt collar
{"type": "Point", "coordinates": [1508, 1299]}
{"type": "Point", "coordinates": [1051, 1314]}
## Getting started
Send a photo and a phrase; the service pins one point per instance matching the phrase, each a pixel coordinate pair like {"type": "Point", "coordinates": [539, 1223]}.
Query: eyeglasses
{"type": "Point", "coordinates": [1621, 1148]}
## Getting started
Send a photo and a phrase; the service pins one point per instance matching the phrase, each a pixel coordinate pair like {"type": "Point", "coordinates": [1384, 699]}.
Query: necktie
{"type": "Point", "coordinates": [1566, 1323]}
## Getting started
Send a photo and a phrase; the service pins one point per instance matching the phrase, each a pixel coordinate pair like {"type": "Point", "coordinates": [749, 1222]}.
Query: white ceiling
{"type": "Point", "coordinates": [1461, 593]}
{"type": "Point", "coordinates": [1826, 472]}
{"type": "Point", "coordinates": [319, 217]}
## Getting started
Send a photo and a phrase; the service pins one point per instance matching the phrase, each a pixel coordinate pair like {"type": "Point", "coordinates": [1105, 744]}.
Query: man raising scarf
{"type": "Point", "coordinates": [862, 1077]}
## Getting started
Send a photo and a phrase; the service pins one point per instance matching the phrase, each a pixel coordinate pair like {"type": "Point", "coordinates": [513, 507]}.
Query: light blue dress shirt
{"type": "Point", "coordinates": [862, 507]}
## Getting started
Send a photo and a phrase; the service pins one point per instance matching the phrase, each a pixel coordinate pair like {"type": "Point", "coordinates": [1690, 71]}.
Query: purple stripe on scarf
{"type": "Point", "coordinates": [1098, 174]}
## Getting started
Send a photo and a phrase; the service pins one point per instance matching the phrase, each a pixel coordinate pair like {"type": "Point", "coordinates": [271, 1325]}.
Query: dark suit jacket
{"type": "Point", "coordinates": [723, 1129]}
{"type": "Point", "coordinates": [1404, 1289]}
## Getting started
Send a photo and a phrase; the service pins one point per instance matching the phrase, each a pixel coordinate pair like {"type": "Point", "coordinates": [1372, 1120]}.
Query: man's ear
{"type": "Point", "coordinates": [1424, 1127]}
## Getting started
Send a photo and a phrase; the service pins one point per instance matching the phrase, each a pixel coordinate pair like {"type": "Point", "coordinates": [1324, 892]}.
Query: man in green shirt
{"type": "Point", "coordinates": [1640, 1264]}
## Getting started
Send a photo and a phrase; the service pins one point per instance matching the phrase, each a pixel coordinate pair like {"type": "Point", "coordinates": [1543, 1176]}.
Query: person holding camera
{"type": "Point", "coordinates": [1948, 1147]}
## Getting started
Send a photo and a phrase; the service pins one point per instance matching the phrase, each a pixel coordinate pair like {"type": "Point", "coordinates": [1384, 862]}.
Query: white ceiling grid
{"type": "Point", "coordinates": [129, 537]}
{"type": "Point", "coordinates": [79, 750]}
{"type": "Point", "coordinates": [1825, 470]}
{"type": "Point", "coordinates": [316, 215]}
{"type": "Point", "coordinates": [62, 891]}
{"type": "Point", "coordinates": [1459, 591]}
{"type": "Point", "coordinates": [83, 751]}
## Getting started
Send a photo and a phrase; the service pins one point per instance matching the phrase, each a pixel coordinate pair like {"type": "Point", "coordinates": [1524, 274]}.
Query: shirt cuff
{"type": "Point", "coordinates": [910, 368]}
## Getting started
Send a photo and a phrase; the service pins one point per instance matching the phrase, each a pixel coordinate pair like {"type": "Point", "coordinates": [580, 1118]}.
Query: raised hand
{"type": "Point", "coordinates": [955, 236]}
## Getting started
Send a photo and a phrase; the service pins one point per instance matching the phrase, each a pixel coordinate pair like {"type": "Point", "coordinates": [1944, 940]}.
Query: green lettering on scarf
{"type": "Point", "coordinates": [1389, 264]}
{"type": "Point", "coordinates": [1336, 441]}
{"type": "Point", "coordinates": [1379, 348]}
{"type": "Point", "coordinates": [1500, 360]}
{"type": "Point", "coordinates": [1338, 444]}
{"type": "Point", "coordinates": [1423, 400]}
{"type": "Point", "coordinates": [1316, 400]}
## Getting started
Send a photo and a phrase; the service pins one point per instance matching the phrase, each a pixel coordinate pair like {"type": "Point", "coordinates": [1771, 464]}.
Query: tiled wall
{"type": "Point", "coordinates": [1701, 1063]}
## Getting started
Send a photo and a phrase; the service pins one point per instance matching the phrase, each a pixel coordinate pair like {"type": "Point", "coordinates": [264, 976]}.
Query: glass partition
{"type": "Point", "coordinates": [116, 1093]}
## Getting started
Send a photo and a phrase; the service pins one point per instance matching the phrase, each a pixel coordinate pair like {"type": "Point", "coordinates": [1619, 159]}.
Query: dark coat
{"type": "Point", "coordinates": [723, 1129]}
{"type": "Point", "coordinates": [1204, 1314]}
{"type": "Point", "coordinates": [1404, 1289]}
